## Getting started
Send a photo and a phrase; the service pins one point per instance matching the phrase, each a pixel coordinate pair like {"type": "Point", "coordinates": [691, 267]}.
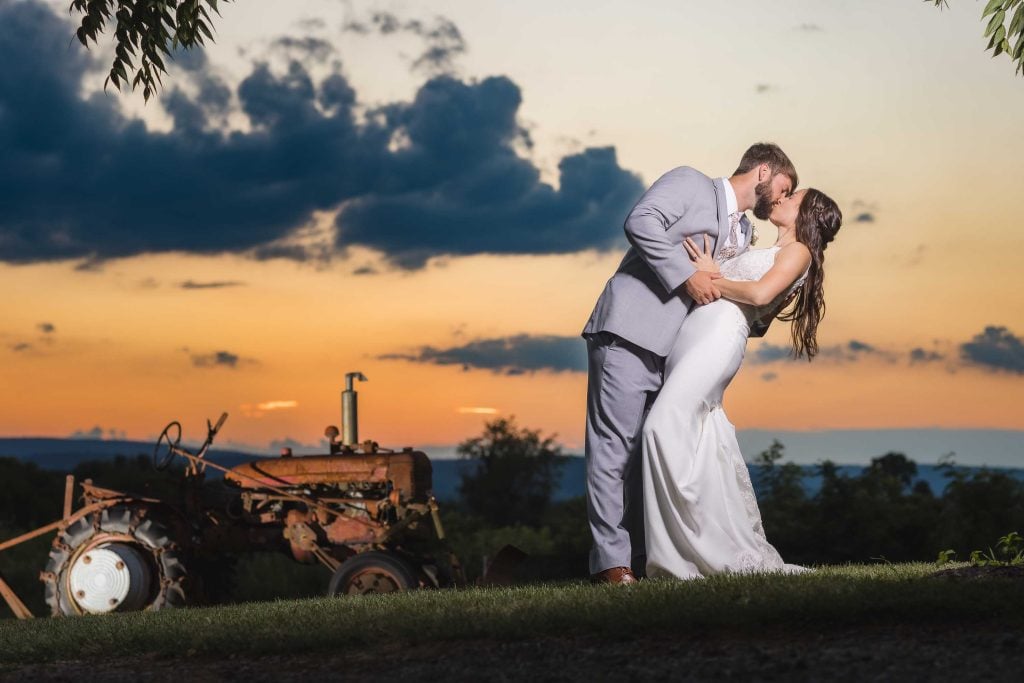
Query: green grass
{"type": "Point", "coordinates": [833, 597]}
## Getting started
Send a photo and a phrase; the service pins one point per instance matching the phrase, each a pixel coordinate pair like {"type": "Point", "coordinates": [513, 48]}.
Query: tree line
{"type": "Point", "coordinates": [881, 514]}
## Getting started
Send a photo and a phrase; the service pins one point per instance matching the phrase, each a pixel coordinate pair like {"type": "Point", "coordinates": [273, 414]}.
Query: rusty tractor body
{"type": "Point", "coordinates": [365, 513]}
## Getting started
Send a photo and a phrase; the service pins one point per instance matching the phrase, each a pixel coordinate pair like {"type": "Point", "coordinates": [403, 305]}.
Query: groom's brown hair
{"type": "Point", "coordinates": [767, 153]}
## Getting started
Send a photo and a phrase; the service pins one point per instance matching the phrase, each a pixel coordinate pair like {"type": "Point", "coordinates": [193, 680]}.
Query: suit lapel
{"type": "Point", "coordinates": [747, 232]}
{"type": "Point", "coordinates": [723, 216]}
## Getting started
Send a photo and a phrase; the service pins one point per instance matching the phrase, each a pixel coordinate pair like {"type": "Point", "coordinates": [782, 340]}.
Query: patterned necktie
{"type": "Point", "coordinates": [732, 243]}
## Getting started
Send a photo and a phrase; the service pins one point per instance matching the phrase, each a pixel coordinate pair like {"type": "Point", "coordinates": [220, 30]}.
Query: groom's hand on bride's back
{"type": "Point", "coordinates": [701, 288]}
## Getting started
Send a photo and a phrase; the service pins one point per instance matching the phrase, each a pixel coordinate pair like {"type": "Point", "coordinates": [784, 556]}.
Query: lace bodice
{"type": "Point", "coordinates": [752, 265]}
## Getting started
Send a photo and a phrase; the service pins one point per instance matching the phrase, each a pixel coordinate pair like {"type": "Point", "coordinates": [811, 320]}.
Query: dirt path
{"type": "Point", "coordinates": [990, 652]}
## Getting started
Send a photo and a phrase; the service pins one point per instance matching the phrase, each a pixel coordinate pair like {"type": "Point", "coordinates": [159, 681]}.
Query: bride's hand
{"type": "Point", "coordinates": [703, 259]}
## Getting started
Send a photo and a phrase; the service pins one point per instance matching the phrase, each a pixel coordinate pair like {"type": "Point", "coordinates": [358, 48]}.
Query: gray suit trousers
{"type": "Point", "coordinates": [624, 379]}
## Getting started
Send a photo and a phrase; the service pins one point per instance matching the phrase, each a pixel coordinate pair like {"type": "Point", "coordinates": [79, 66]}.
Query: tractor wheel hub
{"type": "Point", "coordinates": [110, 577]}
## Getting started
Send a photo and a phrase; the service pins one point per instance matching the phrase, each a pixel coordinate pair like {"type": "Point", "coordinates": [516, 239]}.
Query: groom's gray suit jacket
{"type": "Point", "coordinates": [644, 301]}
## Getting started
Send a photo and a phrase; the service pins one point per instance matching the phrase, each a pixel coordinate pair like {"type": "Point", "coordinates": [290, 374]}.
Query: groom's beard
{"type": "Point", "coordinates": [763, 205]}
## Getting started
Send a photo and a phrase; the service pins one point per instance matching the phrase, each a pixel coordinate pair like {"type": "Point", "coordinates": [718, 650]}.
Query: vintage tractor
{"type": "Point", "coordinates": [365, 513]}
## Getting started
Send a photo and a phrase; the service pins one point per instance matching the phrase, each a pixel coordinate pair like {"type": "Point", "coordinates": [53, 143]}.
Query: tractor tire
{"type": "Point", "coordinates": [374, 571]}
{"type": "Point", "coordinates": [115, 560]}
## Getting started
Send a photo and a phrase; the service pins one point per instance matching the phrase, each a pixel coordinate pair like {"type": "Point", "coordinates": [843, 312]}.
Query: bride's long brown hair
{"type": "Point", "coordinates": [817, 223]}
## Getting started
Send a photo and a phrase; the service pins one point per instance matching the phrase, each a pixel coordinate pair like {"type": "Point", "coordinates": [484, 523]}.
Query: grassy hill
{"type": "Point", "coordinates": [804, 618]}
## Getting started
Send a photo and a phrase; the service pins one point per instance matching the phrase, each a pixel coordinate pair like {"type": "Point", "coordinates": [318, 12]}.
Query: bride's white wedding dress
{"type": "Point", "coordinates": [700, 513]}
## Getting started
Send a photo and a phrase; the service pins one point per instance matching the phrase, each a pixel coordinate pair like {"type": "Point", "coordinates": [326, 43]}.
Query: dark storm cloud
{"type": "Point", "coordinates": [214, 95]}
{"type": "Point", "coordinates": [307, 46]}
{"type": "Point", "coordinates": [515, 355]}
{"type": "Point", "coordinates": [433, 177]}
{"type": "Point", "coordinates": [94, 433]}
{"type": "Point", "coordinates": [995, 348]}
{"type": "Point", "coordinates": [852, 350]}
{"type": "Point", "coordinates": [922, 355]}
{"type": "Point", "coordinates": [442, 40]}
{"type": "Point", "coordinates": [864, 211]}
{"type": "Point", "coordinates": [80, 181]}
{"type": "Point", "coordinates": [770, 353]}
{"type": "Point", "coordinates": [22, 346]}
{"type": "Point", "coordinates": [502, 208]}
{"type": "Point", "coordinates": [855, 350]}
{"type": "Point", "coordinates": [97, 433]}
{"type": "Point", "coordinates": [365, 270]}
{"type": "Point", "coordinates": [46, 328]}
{"type": "Point", "coordinates": [189, 284]}
{"type": "Point", "coordinates": [216, 359]}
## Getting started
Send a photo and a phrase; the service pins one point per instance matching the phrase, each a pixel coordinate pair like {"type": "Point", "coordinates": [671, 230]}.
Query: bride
{"type": "Point", "coordinates": [700, 513]}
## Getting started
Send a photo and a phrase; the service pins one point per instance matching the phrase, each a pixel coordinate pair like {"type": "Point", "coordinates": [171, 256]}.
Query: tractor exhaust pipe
{"type": "Point", "coordinates": [350, 410]}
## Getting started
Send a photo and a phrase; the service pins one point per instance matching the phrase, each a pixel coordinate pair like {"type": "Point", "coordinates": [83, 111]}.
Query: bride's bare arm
{"type": "Point", "coordinates": [791, 261]}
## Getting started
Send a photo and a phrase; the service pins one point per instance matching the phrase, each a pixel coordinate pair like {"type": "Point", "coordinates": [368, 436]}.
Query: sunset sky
{"type": "Point", "coordinates": [433, 194]}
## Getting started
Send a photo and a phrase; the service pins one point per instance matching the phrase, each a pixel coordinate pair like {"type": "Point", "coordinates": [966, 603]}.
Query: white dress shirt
{"type": "Point", "coordinates": [731, 204]}
{"type": "Point", "coordinates": [731, 207]}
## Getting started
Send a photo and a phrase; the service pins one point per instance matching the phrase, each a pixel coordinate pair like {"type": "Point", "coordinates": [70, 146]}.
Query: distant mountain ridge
{"type": "Point", "coordinates": [64, 454]}
{"type": "Point", "coordinates": [973, 447]}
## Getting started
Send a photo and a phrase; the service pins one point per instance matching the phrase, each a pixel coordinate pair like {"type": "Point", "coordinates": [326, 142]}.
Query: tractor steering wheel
{"type": "Point", "coordinates": [163, 453]}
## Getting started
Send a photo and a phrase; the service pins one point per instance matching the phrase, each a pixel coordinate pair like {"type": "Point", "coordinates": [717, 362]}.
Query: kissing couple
{"type": "Point", "coordinates": [668, 491]}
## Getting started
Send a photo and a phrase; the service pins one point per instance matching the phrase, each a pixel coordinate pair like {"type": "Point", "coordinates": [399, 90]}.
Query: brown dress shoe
{"type": "Point", "coordinates": [622, 576]}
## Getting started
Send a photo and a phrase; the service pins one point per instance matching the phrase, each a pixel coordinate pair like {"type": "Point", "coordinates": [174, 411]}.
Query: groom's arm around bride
{"type": "Point", "coordinates": [647, 229]}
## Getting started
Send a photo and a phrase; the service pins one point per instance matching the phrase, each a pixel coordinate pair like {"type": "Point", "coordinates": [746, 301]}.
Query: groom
{"type": "Point", "coordinates": [635, 321]}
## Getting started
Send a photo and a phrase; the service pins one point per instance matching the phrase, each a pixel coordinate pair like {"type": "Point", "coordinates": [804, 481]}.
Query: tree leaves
{"type": "Point", "coordinates": [996, 21]}
{"type": "Point", "coordinates": [991, 7]}
{"type": "Point", "coordinates": [1002, 36]}
{"type": "Point", "coordinates": [514, 476]}
{"type": "Point", "coordinates": [146, 30]}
